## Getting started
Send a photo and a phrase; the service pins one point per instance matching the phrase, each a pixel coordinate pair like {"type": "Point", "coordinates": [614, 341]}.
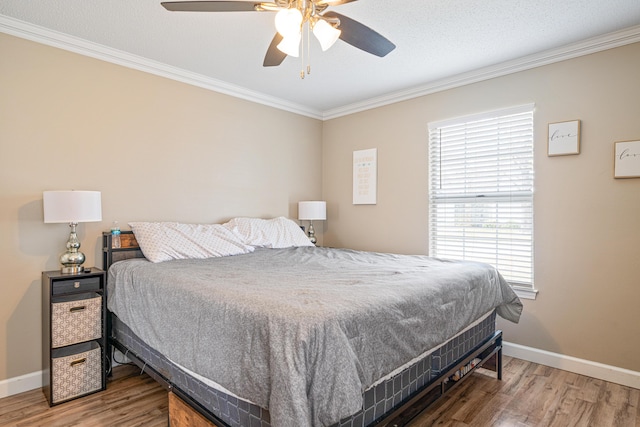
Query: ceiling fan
{"type": "Point", "coordinates": [291, 17]}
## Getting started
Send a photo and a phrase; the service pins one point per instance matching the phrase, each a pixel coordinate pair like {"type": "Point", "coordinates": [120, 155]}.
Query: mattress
{"type": "Point", "coordinates": [377, 401]}
{"type": "Point", "coordinates": [303, 331]}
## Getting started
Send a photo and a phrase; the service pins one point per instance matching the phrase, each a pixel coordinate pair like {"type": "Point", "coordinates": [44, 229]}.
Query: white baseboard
{"type": "Point", "coordinates": [20, 384]}
{"type": "Point", "coordinates": [601, 371]}
{"type": "Point", "coordinates": [32, 381]}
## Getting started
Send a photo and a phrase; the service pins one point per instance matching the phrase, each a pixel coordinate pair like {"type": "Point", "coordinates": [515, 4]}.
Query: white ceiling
{"type": "Point", "coordinates": [439, 43]}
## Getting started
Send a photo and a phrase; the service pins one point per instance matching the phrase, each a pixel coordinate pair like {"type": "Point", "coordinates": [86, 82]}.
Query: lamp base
{"type": "Point", "coordinates": [72, 259]}
{"type": "Point", "coordinates": [312, 233]}
{"type": "Point", "coordinates": [72, 270]}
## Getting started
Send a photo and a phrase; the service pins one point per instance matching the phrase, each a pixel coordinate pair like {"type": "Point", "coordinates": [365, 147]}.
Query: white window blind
{"type": "Point", "coordinates": [481, 191]}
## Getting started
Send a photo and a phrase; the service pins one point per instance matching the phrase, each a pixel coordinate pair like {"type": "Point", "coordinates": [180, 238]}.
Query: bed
{"type": "Point", "coordinates": [273, 331]}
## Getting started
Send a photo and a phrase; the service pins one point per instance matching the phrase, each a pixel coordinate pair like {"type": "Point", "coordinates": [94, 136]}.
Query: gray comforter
{"type": "Point", "coordinates": [303, 331]}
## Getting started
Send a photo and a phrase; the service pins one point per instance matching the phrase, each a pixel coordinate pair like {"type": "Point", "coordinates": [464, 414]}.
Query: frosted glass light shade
{"type": "Point", "coordinates": [326, 34]}
{"type": "Point", "coordinates": [288, 22]}
{"type": "Point", "coordinates": [290, 45]}
{"type": "Point", "coordinates": [72, 206]}
{"type": "Point", "coordinates": [312, 211]}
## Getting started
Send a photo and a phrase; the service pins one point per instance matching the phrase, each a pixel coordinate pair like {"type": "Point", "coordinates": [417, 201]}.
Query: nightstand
{"type": "Point", "coordinates": [74, 341]}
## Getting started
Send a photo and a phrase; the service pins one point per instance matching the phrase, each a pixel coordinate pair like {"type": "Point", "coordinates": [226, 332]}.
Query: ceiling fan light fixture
{"type": "Point", "coordinates": [326, 34]}
{"type": "Point", "coordinates": [291, 45]}
{"type": "Point", "coordinates": [288, 22]}
{"type": "Point", "coordinates": [292, 16]}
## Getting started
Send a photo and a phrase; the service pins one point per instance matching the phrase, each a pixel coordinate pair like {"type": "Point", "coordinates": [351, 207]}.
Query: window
{"type": "Point", "coordinates": [481, 191]}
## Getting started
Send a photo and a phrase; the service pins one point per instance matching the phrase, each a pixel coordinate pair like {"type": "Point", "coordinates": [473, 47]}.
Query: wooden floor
{"type": "Point", "coordinates": [130, 400]}
{"type": "Point", "coordinates": [529, 395]}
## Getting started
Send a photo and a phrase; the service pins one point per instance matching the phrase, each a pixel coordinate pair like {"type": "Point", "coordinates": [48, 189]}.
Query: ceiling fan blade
{"type": "Point", "coordinates": [274, 56]}
{"type": "Point", "coordinates": [335, 2]}
{"type": "Point", "coordinates": [361, 36]}
{"type": "Point", "coordinates": [212, 6]}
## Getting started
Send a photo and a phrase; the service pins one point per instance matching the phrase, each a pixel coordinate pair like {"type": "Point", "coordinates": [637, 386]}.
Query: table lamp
{"type": "Point", "coordinates": [310, 211]}
{"type": "Point", "coordinates": [72, 207]}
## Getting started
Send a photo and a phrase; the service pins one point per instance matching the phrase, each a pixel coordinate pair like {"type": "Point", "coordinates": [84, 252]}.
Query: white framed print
{"type": "Point", "coordinates": [626, 163]}
{"type": "Point", "coordinates": [365, 176]}
{"type": "Point", "coordinates": [563, 138]}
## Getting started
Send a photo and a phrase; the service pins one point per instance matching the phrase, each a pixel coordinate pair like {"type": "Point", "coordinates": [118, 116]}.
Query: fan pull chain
{"type": "Point", "coordinates": [309, 47]}
{"type": "Point", "coordinates": [302, 54]}
{"type": "Point", "coordinates": [306, 52]}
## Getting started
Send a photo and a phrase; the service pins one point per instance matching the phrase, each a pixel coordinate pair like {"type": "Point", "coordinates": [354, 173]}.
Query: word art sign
{"type": "Point", "coordinates": [627, 159]}
{"type": "Point", "coordinates": [564, 138]}
{"type": "Point", "coordinates": [365, 179]}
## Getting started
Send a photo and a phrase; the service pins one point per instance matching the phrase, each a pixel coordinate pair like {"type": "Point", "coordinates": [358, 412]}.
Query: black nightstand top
{"type": "Point", "coordinates": [57, 274]}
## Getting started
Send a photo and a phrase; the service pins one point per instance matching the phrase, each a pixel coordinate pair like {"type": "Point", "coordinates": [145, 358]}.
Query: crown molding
{"type": "Point", "coordinates": [49, 37]}
{"type": "Point", "coordinates": [25, 30]}
{"type": "Point", "coordinates": [585, 47]}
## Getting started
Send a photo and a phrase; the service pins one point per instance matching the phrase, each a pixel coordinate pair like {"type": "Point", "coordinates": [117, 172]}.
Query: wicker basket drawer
{"type": "Point", "coordinates": [75, 371]}
{"type": "Point", "coordinates": [76, 319]}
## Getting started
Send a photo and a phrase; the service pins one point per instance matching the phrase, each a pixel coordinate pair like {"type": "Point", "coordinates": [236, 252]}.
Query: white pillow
{"type": "Point", "coordinates": [269, 233]}
{"type": "Point", "coordinates": [163, 241]}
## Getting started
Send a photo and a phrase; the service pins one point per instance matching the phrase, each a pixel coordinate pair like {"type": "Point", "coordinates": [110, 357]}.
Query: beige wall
{"type": "Point", "coordinates": [187, 154]}
{"type": "Point", "coordinates": [587, 224]}
{"type": "Point", "coordinates": [156, 148]}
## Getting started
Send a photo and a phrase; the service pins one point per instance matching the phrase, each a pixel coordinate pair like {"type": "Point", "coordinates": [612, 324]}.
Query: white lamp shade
{"type": "Point", "coordinates": [290, 45]}
{"type": "Point", "coordinates": [288, 22]}
{"type": "Point", "coordinates": [72, 206]}
{"type": "Point", "coordinates": [312, 211]}
{"type": "Point", "coordinates": [326, 34]}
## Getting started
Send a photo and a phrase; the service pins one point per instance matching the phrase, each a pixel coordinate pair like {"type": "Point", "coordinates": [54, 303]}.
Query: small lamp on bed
{"type": "Point", "coordinates": [310, 211]}
{"type": "Point", "coordinates": [72, 207]}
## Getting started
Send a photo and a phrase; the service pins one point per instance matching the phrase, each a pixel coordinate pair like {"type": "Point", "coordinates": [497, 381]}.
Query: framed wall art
{"type": "Point", "coordinates": [563, 138]}
{"type": "Point", "coordinates": [626, 161]}
{"type": "Point", "coordinates": [365, 176]}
